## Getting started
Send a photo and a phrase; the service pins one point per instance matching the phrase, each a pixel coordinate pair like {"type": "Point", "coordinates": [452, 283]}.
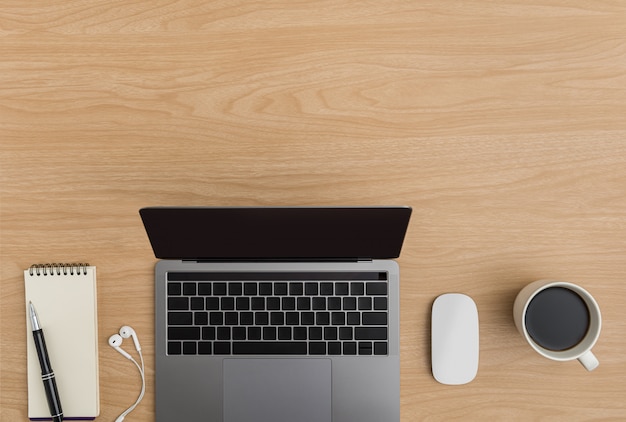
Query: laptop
{"type": "Point", "coordinates": [277, 314]}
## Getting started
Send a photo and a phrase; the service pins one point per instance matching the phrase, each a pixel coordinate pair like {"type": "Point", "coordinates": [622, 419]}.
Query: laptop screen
{"type": "Point", "coordinates": [276, 233]}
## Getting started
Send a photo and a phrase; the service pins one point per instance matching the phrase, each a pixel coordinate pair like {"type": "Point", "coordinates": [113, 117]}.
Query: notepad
{"type": "Point", "coordinates": [64, 296]}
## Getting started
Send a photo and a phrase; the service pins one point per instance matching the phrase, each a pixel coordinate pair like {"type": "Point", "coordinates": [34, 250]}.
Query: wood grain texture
{"type": "Point", "coordinates": [501, 124]}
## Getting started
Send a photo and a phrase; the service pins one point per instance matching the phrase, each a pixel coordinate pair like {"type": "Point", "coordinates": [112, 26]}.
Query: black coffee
{"type": "Point", "coordinates": [557, 318]}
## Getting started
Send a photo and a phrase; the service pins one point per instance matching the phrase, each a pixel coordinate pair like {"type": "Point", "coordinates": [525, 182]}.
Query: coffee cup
{"type": "Point", "coordinates": [559, 320]}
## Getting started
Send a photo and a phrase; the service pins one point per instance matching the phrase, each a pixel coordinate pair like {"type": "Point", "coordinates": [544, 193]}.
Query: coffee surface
{"type": "Point", "coordinates": [557, 318]}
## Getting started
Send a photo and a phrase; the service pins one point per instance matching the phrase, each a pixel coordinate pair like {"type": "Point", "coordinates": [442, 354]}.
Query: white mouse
{"type": "Point", "coordinates": [454, 339]}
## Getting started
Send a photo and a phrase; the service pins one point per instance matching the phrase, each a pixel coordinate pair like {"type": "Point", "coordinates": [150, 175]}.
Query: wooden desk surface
{"type": "Point", "coordinates": [501, 123]}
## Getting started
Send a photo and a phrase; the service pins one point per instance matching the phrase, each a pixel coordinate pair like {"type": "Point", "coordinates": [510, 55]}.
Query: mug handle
{"type": "Point", "coordinates": [589, 361]}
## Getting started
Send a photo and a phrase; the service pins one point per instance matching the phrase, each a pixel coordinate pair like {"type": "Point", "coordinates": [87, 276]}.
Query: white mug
{"type": "Point", "coordinates": [581, 350]}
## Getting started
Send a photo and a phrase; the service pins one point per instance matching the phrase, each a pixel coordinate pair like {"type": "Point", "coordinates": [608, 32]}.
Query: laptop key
{"type": "Point", "coordinates": [228, 303]}
{"type": "Point", "coordinates": [334, 348]}
{"type": "Point", "coordinates": [249, 289]}
{"type": "Point", "coordinates": [261, 318]}
{"type": "Point", "coordinates": [212, 304]}
{"type": "Point", "coordinates": [174, 348]}
{"type": "Point", "coordinates": [269, 333]}
{"type": "Point", "coordinates": [311, 289]}
{"type": "Point", "coordinates": [326, 289]}
{"type": "Point", "coordinates": [189, 348]}
{"type": "Point", "coordinates": [319, 303]}
{"type": "Point", "coordinates": [280, 289]}
{"type": "Point", "coordinates": [357, 289]}
{"type": "Point", "coordinates": [296, 289]}
{"type": "Point", "coordinates": [277, 318]}
{"type": "Point", "coordinates": [292, 318]}
{"type": "Point", "coordinates": [354, 318]}
{"type": "Point", "coordinates": [315, 333]}
{"type": "Point", "coordinates": [180, 318]}
{"type": "Point", "coordinates": [380, 348]}
{"type": "Point", "coordinates": [254, 333]}
{"type": "Point", "coordinates": [273, 303]}
{"type": "Point", "coordinates": [304, 303]}
{"type": "Point", "coordinates": [204, 289]}
{"type": "Point", "coordinates": [257, 304]}
{"type": "Point", "coordinates": [269, 348]}
{"type": "Point", "coordinates": [183, 333]}
{"type": "Point", "coordinates": [235, 289]}
{"type": "Point", "coordinates": [205, 348]}
{"type": "Point", "coordinates": [223, 333]}
{"type": "Point", "coordinates": [189, 289]}
{"type": "Point", "coordinates": [317, 348]}
{"type": "Point", "coordinates": [208, 333]}
{"type": "Point", "coordinates": [370, 333]}
{"type": "Point", "coordinates": [289, 303]}
{"type": "Point", "coordinates": [216, 318]}
{"type": "Point", "coordinates": [380, 303]}
{"type": "Point", "coordinates": [338, 318]}
{"type": "Point", "coordinates": [300, 333]}
{"type": "Point", "coordinates": [265, 289]}
{"type": "Point", "coordinates": [365, 303]}
{"type": "Point", "coordinates": [345, 333]}
{"type": "Point", "coordinates": [322, 318]}
{"type": "Point", "coordinates": [330, 333]}
{"type": "Point", "coordinates": [177, 303]}
{"type": "Point", "coordinates": [349, 303]}
{"type": "Point", "coordinates": [307, 318]}
{"type": "Point", "coordinates": [219, 289]}
{"type": "Point", "coordinates": [231, 318]}
{"type": "Point", "coordinates": [374, 318]}
{"type": "Point", "coordinates": [221, 348]}
{"type": "Point", "coordinates": [284, 333]}
{"type": "Point", "coordinates": [197, 303]}
{"type": "Point", "coordinates": [349, 348]}
{"type": "Point", "coordinates": [341, 289]}
{"type": "Point", "coordinates": [376, 289]}
{"type": "Point", "coordinates": [334, 303]}
{"type": "Point", "coordinates": [246, 318]}
{"type": "Point", "coordinates": [201, 318]}
{"type": "Point", "coordinates": [174, 289]}
{"type": "Point", "coordinates": [365, 348]}
{"type": "Point", "coordinates": [239, 333]}
{"type": "Point", "coordinates": [242, 303]}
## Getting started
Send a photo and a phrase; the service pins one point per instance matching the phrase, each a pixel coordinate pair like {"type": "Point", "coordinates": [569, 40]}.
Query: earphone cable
{"type": "Point", "coordinates": [141, 369]}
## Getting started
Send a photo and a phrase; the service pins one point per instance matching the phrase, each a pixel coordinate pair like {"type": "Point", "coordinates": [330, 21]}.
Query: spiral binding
{"type": "Point", "coordinates": [58, 269]}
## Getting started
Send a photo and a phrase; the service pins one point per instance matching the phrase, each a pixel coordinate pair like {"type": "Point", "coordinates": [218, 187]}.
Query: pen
{"type": "Point", "coordinates": [47, 374]}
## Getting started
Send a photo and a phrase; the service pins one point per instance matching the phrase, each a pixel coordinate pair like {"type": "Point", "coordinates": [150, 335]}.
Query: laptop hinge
{"type": "Point", "coordinates": [280, 260]}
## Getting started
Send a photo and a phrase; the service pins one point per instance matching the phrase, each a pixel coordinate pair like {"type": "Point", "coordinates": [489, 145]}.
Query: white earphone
{"type": "Point", "coordinates": [115, 341]}
{"type": "Point", "coordinates": [126, 332]}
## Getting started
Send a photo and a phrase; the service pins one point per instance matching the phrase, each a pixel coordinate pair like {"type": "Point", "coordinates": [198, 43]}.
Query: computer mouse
{"type": "Point", "coordinates": [454, 339]}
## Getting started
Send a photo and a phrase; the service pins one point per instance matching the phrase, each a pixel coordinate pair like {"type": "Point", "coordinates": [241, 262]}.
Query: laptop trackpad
{"type": "Point", "coordinates": [277, 390]}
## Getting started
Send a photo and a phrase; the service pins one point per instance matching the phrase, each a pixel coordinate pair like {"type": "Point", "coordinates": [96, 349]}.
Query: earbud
{"type": "Point", "coordinates": [127, 332]}
{"type": "Point", "coordinates": [115, 341]}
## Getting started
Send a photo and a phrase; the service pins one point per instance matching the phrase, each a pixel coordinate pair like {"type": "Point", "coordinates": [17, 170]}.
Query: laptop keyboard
{"type": "Point", "coordinates": [280, 313]}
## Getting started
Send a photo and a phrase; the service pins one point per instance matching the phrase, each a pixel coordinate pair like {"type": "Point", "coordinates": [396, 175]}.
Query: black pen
{"type": "Point", "coordinates": [47, 374]}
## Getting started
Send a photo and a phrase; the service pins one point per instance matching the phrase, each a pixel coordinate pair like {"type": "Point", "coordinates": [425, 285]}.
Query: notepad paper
{"type": "Point", "coordinates": [64, 296]}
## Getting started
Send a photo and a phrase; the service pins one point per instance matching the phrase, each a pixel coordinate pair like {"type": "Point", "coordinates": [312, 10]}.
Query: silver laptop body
{"type": "Point", "coordinates": [277, 314]}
